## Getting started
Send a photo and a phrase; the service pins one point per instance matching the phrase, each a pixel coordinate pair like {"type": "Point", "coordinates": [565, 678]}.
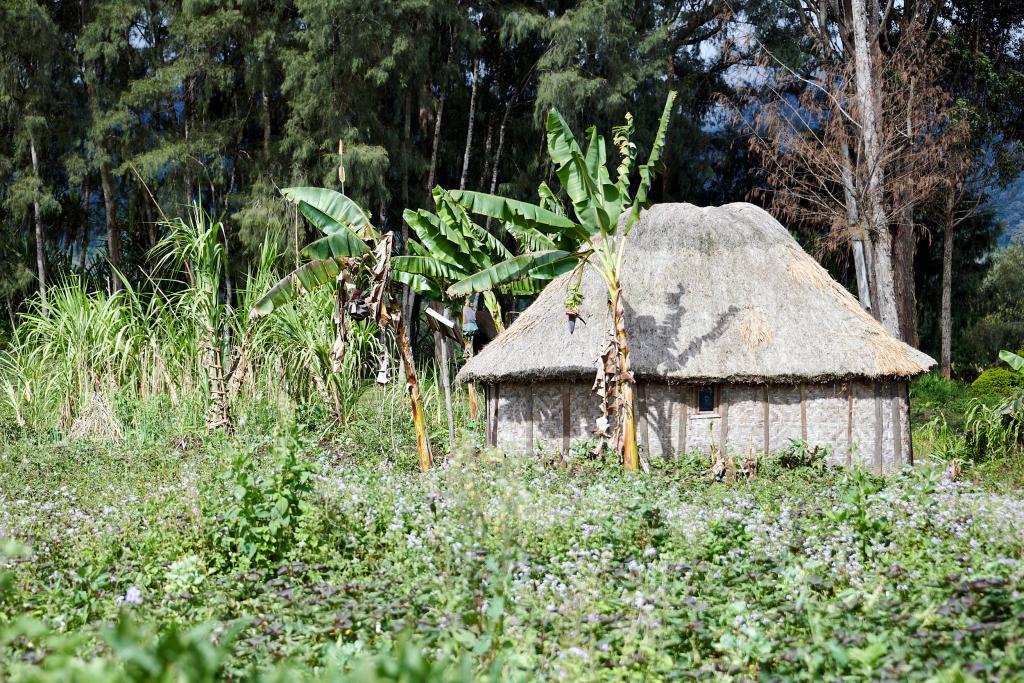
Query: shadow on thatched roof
{"type": "Point", "coordinates": [716, 293]}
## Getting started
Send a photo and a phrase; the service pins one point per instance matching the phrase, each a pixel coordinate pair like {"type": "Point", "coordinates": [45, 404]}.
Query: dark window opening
{"type": "Point", "coordinates": [706, 399]}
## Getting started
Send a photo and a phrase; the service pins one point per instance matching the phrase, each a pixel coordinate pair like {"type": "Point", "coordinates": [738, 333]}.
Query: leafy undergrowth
{"type": "Point", "coordinates": [271, 560]}
{"type": "Point", "coordinates": [978, 433]}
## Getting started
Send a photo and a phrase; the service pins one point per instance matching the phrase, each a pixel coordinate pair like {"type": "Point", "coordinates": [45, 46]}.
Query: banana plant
{"type": "Point", "coordinates": [605, 210]}
{"type": "Point", "coordinates": [1015, 405]}
{"type": "Point", "coordinates": [450, 248]}
{"type": "Point", "coordinates": [355, 259]}
{"type": "Point", "coordinates": [1013, 360]}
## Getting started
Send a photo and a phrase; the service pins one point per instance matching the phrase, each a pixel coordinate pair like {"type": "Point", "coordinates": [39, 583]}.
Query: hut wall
{"type": "Point", "coordinates": [514, 429]}
{"type": "Point", "coordinates": [746, 417]}
{"type": "Point", "coordinates": [658, 426]}
{"type": "Point", "coordinates": [784, 415]}
{"type": "Point", "coordinates": [548, 425]}
{"type": "Point", "coordinates": [855, 418]}
{"type": "Point", "coordinates": [827, 410]}
{"type": "Point", "coordinates": [864, 428]}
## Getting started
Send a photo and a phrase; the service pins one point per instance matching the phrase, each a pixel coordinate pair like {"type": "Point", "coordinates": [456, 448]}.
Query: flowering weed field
{"type": "Point", "coordinates": [277, 560]}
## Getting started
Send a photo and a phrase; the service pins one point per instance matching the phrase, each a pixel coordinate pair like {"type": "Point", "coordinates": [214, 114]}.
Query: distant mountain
{"type": "Point", "coordinates": [1008, 206]}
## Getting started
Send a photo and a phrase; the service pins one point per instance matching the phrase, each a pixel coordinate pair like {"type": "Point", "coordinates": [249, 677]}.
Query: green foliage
{"type": "Point", "coordinates": [451, 247]}
{"type": "Point", "coordinates": [1000, 308]}
{"type": "Point", "coordinates": [344, 225]}
{"type": "Point", "coordinates": [980, 426]}
{"type": "Point", "coordinates": [1014, 360]}
{"type": "Point", "coordinates": [265, 509]}
{"type": "Point", "coordinates": [603, 208]}
{"type": "Point", "coordinates": [505, 569]}
{"type": "Point", "coordinates": [799, 454]}
{"type": "Point", "coordinates": [997, 431]}
{"type": "Point", "coordinates": [998, 381]}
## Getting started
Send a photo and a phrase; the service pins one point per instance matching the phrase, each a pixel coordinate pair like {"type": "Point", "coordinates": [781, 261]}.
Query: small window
{"type": "Point", "coordinates": [706, 402]}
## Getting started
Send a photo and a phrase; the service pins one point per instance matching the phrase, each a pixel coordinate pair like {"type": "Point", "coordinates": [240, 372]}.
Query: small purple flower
{"type": "Point", "coordinates": [133, 596]}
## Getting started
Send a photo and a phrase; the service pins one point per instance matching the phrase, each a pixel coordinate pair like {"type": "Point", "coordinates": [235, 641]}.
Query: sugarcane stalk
{"type": "Point", "coordinates": [412, 387]}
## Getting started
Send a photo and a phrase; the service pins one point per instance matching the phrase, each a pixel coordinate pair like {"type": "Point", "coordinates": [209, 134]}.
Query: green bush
{"type": "Point", "coordinates": [262, 516]}
{"type": "Point", "coordinates": [996, 381]}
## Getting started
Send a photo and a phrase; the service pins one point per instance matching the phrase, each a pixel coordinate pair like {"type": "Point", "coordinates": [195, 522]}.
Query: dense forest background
{"type": "Point", "coordinates": [115, 113]}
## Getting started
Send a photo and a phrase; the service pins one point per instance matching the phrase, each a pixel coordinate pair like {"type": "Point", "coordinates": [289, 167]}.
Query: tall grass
{"type": "Point", "coordinates": [980, 432]}
{"type": "Point", "coordinates": [69, 369]}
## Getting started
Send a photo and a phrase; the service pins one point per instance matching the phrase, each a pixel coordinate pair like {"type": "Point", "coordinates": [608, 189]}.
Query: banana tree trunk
{"type": "Point", "coordinates": [412, 387]}
{"type": "Point", "coordinates": [630, 454]}
{"type": "Point", "coordinates": [471, 394]}
{"type": "Point", "coordinates": [442, 346]}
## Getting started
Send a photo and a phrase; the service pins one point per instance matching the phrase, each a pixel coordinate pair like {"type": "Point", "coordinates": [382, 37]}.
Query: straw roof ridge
{"type": "Point", "coordinates": [711, 294]}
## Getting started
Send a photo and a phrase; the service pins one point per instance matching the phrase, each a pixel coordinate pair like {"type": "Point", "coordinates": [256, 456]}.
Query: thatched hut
{"type": "Point", "coordinates": [736, 335]}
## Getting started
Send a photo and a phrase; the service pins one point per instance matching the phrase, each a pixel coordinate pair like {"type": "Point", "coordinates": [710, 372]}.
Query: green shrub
{"type": "Point", "coordinates": [799, 453]}
{"type": "Point", "coordinates": [996, 381]}
{"type": "Point", "coordinates": [261, 517]}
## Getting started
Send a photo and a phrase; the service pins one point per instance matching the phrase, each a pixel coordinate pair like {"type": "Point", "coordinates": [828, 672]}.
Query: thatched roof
{"type": "Point", "coordinates": [711, 294]}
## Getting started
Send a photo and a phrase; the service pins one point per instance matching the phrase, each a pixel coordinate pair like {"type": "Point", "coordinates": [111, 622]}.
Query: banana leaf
{"type": "Point", "coordinates": [341, 244]}
{"type": "Point", "coordinates": [648, 170]}
{"type": "Point", "coordinates": [531, 238]}
{"type": "Point", "coordinates": [295, 284]}
{"type": "Point", "coordinates": [423, 286]}
{"type": "Point", "coordinates": [596, 156]}
{"type": "Point", "coordinates": [493, 244]}
{"type": "Point", "coordinates": [1013, 360]}
{"type": "Point", "coordinates": [528, 287]}
{"type": "Point", "coordinates": [574, 174]}
{"type": "Point", "coordinates": [511, 210]}
{"type": "Point", "coordinates": [337, 206]}
{"type": "Point", "coordinates": [541, 264]}
{"type": "Point", "coordinates": [427, 266]}
{"type": "Point", "coordinates": [452, 220]}
{"type": "Point", "coordinates": [325, 223]}
{"type": "Point", "coordinates": [428, 229]}
{"type": "Point", "coordinates": [549, 200]}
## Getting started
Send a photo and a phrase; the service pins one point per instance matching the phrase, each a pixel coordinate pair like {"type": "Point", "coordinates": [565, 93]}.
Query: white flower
{"type": "Point", "coordinates": [133, 596]}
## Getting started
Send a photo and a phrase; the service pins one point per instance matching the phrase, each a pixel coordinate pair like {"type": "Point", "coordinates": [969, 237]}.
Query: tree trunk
{"type": "Point", "coordinates": [497, 154]}
{"type": "Point", "coordinates": [471, 389]}
{"type": "Point", "coordinates": [154, 233]}
{"type": "Point", "coordinates": [407, 292]}
{"type": "Point", "coordinates": [83, 236]}
{"type": "Point", "coordinates": [485, 173]}
{"type": "Point", "coordinates": [432, 175]}
{"type": "Point", "coordinates": [412, 387]}
{"type": "Point", "coordinates": [469, 126]}
{"type": "Point", "coordinates": [265, 101]}
{"type": "Point", "coordinates": [113, 233]}
{"type": "Point", "coordinates": [37, 213]}
{"type": "Point", "coordinates": [946, 316]}
{"type": "Point", "coordinates": [442, 355]}
{"type": "Point", "coordinates": [885, 289]}
{"type": "Point", "coordinates": [630, 453]}
{"type": "Point", "coordinates": [904, 251]}
{"type": "Point", "coordinates": [903, 266]}
{"type": "Point", "coordinates": [872, 162]}
{"type": "Point", "coordinates": [858, 235]}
